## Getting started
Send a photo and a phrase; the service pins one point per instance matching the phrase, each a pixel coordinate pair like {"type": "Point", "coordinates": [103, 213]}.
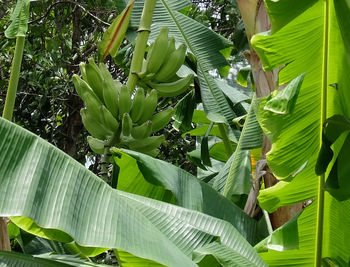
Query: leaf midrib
{"type": "Point", "coordinates": [320, 195]}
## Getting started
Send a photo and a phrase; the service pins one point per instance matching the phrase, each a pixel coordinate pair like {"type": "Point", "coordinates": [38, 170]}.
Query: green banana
{"type": "Point", "coordinates": [93, 126]}
{"type": "Point", "coordinates": [94, 78]}
{"type": "Point", "coordinates": [96, 145]}
{"type": "Point", "coordinates": [108, 120]}
{"type": "Point", "coordinates": [91, 101]}
{"type": "Point", "coordinates": [146, 144]}
{"type": "Point", "coordinates": [149, 106]}
{"type": "Point", "coordinates": [138, 104]}
{"type": "Point", "coordinates": [106, 75]}
{"type": "Point", "coordinates": [158, 52]}
{"type": "Point", "coordinates": [173, 88]}
{"type": "Point", "coordinates": [81, 86]}
{"type": "Point", "coordinates": [161, 119]}
{"type": "Point", "coordinates": [172, 64]}
{"type": "Point", "coordinates": [126, 124]}
{"type": "Point", "coordinates": [110, 97]}
{"type": "Point", "coordinates": [92, 104]}
{"type": "Point", "coordinates": [82, 70]}
{"type": "Point", "coordinates": [171, 47]}
{"type": "Point", "coordinates": [124, 101]}
{"type": "Point", "coordinates": [143, 74]}
{"type": "Point", "coordinates": [111, 89]}
{"type": "Point", "coordinates": [142, 131]}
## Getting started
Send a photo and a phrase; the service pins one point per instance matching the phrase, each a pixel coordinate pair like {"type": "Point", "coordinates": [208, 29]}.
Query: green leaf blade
{"type": "Point", "coordinates": [40, 182]}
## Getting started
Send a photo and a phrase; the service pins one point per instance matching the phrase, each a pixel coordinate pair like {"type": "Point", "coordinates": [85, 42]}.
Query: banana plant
{"type": "Point", "coordinates": [308, 38]}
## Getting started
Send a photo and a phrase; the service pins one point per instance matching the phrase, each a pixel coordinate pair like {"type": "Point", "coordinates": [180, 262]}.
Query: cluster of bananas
{"type": "Point", "coordinates": [162, 62]}
{"type": "Point", "coordinates": [115, 117]}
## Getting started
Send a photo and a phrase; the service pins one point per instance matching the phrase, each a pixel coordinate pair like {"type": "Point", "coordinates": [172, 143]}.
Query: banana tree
{"type": "Point", "coordinates": [310, 38]}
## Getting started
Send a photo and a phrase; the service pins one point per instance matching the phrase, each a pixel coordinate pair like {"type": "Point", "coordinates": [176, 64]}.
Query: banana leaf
{"type": "Point", "coordinates": [194, 194]}
{"type": "Point", "coordinates": [15, 259]}
{"type": "Point", "coordinates": [54, 196]}
{"type": "Point", "coordinates": [235, 177]}
{"type": "Point", "coordinates": [305, 38]}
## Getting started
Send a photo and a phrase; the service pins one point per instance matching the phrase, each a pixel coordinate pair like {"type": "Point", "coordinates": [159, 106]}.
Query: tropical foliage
{"type": "Point", "coordinates": [153, 213]}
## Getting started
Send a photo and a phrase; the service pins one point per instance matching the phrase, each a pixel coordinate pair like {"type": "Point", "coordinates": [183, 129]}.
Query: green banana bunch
{"type": "Point", "coordinates": [125, 102]}
{"type": "Point", "coordinates": [94, 78]}
{"type": "Point", "coordinates": [172, 64]}
{"type": "Point", "coordinates": [161, 119]}
{"type": "Point", "coordinates": [149, 106]}
{"type": "Point", "coordinates": [109, 104]}
{"type": "Point", "coordinates": [157, 52]}
{"type": "Point", "coordinates": [111, 90]}
{"type": "Point", "coordinates": [142, 131]}
{"type": "Point", "coordinates": [126, 124]}
{"type": "Point", "coordinates": [96, 145]}
{"type": "Point", "coordinates": [173, 88]}
{"type": "Point", "coordinates": [138, 105]}
{"type": "Point", "coordinates": [94, 126]}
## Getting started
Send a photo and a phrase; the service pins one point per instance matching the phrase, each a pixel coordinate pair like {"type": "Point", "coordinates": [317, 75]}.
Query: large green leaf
{"type": "Point", "coordinates": [192, 193]}
{"type": "Point", "coordinates": [18, 260]}
{"type": "Point", "coordinates": [235, 178]}
{"type": "Point", "coordinates": [343, 9]}
{"type": "Point", "coordinates": [40, 182]}
{"type": "Point", "coordinates": [306, 39]}
{"type": "Point", "coordinates": [204, 43]}
{"type": "Point", "coordinates": [14, 259]}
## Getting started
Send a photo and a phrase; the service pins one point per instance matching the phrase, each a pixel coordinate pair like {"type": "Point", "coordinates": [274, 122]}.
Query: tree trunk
{"type": "Point", "coordinates": [73, 124]}
{"type": "Point", "coordinates": [256, 20]}
{"type": "Point", "coordinates": [4, 236]}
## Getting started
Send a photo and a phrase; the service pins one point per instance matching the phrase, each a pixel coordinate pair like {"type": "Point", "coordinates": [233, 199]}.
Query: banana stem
{"type": "Point", "coordinates": [105, 159]}
{"type": "Point", "coordinates": [227, 144]}
{"type": "Point", "coordinates": [104, 164]}
{"type": "Point", "coordinates": [14, 77]}
{"type": "Point", "coordinates": [141, 43]}
{"type": "Point", "coordinates": [7, 114]}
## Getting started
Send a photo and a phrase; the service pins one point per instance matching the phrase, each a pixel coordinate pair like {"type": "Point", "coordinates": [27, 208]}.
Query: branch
{"type": "Point", "coordinates": [70, 2]}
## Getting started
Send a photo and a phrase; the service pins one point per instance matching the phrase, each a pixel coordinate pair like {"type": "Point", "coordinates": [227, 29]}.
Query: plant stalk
{"type": "Point", "coordinates": [8, 114]}
{"type": "Point", "coordinates": [141, 43]}
{"type": "Point", "coordinates": [14, 77]}
{"type": "Point", "coordinates": [106, 156]}
{"type": "Point", "coordinates": [227, 143]}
